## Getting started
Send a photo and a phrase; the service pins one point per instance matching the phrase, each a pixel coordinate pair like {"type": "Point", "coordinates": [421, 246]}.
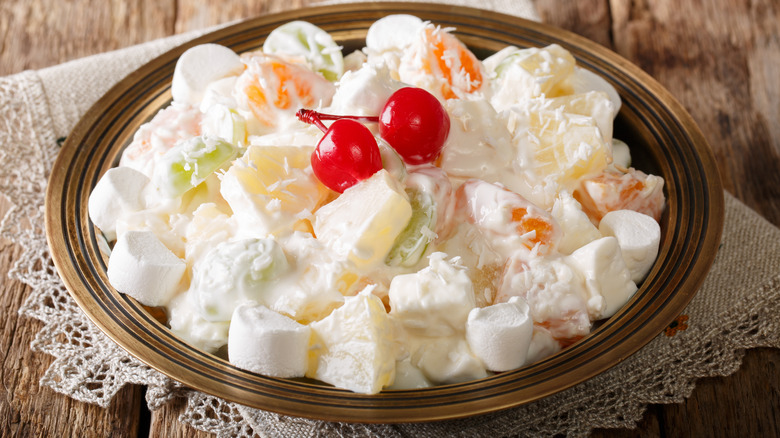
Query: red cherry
{"type": "Point", "coordinates": [415, 124]}
{"type": "Point", "coordinates": [345, 155]}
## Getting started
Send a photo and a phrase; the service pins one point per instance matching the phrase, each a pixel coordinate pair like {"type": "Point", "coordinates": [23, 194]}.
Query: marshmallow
{"type": "Point", "coordinates": [434, 301]}
{"type": "Point", "coordinates": [353, 347]}
{"type": "Point", "coordinates": [364, 92]}
{"type": "Point", "coordinates": [119, 191]}
{"type": "Point", "coordinates": [601, 265]}
{"type": "Point", "coordinates": [267, 342]}
{"type": "Point", "coordinates": [500, 334]}
{"type": "Point", "coordinates": [638, 236]}
{"type": "Point", "coordinates": [142, 267]}
{"type": "Point", "coordinates": [393, 32]}
{"type": "Point", "coordinates": [199, 66]}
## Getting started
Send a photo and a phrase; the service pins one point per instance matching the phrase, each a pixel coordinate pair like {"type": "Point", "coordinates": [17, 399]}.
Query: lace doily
{"type": "Point", "coordinates": [738, 307]}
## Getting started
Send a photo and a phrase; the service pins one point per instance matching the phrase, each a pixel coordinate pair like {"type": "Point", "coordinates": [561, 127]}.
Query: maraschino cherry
{"type": "Point", "coordinates": [412, 122]}
{"type": "Point", "coordinates": [415, 124]}
{"type": "Point", "coordinates": [346, 154]}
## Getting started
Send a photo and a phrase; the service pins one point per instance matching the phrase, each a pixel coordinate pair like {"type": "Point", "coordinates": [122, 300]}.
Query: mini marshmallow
{"type": "Point", "coordinates": [392, 32]}
{"type": "Point", "coordinates": [142, 267]}
{"type": "Point", "coordinates": [198, 67]}
{"type": "Point", "coordinates": [500, 334]}
{"type": "Point", "coordinates": [364, 92]}
{"type": "Point", "coordinates": [267, 342]}
{"type": "Point", "coordinates": [119, 191]}
{"type": "Point", "coordinates": [601, 265]}
{"type": "Point", "coordinates": [638, 236]}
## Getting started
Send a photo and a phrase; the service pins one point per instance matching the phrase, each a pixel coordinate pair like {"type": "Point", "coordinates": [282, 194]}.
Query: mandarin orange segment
{"type": "Point", "coordinates": [272, 86]}
{"type": "Point", "coordinates": [612, 191]}
{"type": "Point", "coordinates": [526, 223]}
{"type": "Point", "coordinates": [452, 69]}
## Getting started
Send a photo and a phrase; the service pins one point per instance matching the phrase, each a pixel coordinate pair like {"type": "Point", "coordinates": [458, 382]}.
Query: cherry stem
{"type": "Point", "coordinates": [315, 118]}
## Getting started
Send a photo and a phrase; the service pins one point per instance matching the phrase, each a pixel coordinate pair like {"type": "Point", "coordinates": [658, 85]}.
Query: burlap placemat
{"type": "Point", "coordinates": [738, 306]}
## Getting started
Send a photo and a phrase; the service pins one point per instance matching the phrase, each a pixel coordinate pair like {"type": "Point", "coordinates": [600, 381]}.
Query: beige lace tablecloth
{"type": "Point", "coordinates": [738, 307]}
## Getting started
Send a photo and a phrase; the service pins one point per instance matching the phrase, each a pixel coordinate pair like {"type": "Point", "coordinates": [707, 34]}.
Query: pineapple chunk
{"type": "Point", "coordinates": [353, 347]}
{"type": "Point", "coordinates": [362, 224]}
{"type": "Point", "coordinates": [529, 73]}
{"type": "Point", "coordinates": [594, 104]}
{"type": "Point", "coordinates": [557, 147]}
{"type": "Point", "coordinates": [270, 188]}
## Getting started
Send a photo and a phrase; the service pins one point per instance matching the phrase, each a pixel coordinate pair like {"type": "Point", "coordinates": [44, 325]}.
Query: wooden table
{"type": "Point", "coordinates": [720, 58]}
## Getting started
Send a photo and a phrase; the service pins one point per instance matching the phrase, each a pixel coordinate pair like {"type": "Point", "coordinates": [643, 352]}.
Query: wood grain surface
{"type": "Point", "coordinates": [719, 58]}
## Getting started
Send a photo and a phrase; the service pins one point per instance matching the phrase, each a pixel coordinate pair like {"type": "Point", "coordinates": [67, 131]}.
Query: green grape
{"type": "Point", "coordinates": [300, 38]}
{"type": "Point", "coordinates": [235, 272]}
{"type": "Point", "coordinates": [190, 162]}
{"type": "Point", "coordinates": [411, 244]}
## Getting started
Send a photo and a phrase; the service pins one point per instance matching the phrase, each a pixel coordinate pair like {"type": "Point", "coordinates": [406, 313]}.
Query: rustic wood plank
{"type": "Point", "coordinates": [588, 18]}
{"type": "Point", "coordinates": [35, 34]}
{"type": "Point", "coordinates": [746, 403]}
{"type": "Point", "coordinates": [720, 59]}
{"type": "Point", "coordinates": [165, 423]}
{"type": "Point", "coordinates": [40, 33]}
{"type": "Point", "coordinates": [198, 14]}
{"type": "Point", "coordinates": [28, 409]}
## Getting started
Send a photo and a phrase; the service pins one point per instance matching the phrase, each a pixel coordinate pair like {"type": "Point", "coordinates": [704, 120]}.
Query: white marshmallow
{"type": "Point", "coordinates": [364, 92]}
{"type": "Point", "coordinates": [500, 334]}
{"type": "Point", "coordinates": [638, 236]}
{"type": "Point", "coordinates": [601, 265]}
{"type": "Point", "coordinates": [393, 32]}
{"type": "Point", "coordinates": [142, 267]}
{"type": "Point", "coordinates": [199, 66]}
{"type": "Point", "coordinates": [267, 342]}
{"type": "Point", "coordinates": [119, 191]}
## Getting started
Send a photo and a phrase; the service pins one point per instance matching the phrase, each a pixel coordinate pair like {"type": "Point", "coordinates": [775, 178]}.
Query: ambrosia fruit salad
{"type": "Point", "coordinates": [403, 216]}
